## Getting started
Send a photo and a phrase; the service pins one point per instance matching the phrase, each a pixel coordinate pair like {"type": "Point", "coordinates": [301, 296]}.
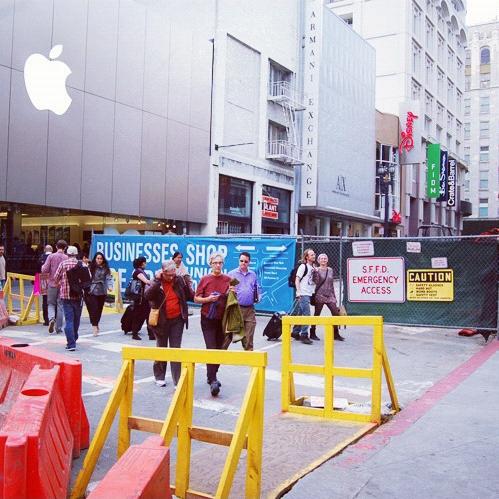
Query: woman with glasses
{"type": "Point", "coordinates": [211, 293]}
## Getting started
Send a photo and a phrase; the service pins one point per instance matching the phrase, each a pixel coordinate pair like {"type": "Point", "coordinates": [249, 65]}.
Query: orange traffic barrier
{"type": "Point", "coordinates": [36, 441]}
{"type": "Point", "coordinates": [16, 363]}
{"type": "Point", "coordinates": [142, 472]}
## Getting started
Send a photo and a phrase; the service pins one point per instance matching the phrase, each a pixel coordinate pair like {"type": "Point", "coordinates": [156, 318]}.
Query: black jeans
{"type": "Point", "coordinates": [168, 334]}
{"type": "Point", "coordinates": [334, 311]}
{"type": "Point", "coordinates": [95, 304]}
{"type": "Point", "coordinates": [139, 315]}
{"type": "Point", "coordinates": [214, 339]}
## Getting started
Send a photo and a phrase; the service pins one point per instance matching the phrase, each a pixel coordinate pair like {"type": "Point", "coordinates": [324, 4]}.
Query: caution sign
{"type": "Point", "coordinates": [430, 285]}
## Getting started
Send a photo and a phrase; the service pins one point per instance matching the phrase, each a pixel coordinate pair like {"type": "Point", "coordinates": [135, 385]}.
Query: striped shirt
{"type": "Point", "coordinates": [61, 278]}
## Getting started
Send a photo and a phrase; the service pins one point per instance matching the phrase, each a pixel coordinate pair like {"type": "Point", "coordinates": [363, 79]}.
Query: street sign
{"type": "Point", "coordinates": [376, 279]}
{"type": "Point", "coordinates": [430, 285]}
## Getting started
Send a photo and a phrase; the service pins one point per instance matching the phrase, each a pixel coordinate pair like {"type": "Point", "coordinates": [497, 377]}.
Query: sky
{"type": "Point", "coordinates": [480, 11]}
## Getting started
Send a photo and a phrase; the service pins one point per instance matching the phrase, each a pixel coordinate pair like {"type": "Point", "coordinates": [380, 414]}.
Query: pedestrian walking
{"type": "Point", "coordinates": [305, 287]}
{"type": "Point", "coordinates": [71, 302]}
{"type": "Point", "coordinates": [181, 269]}
{"type": "Point", "coordinates": [55, 310]}
{"type": "Point", "coordinates": [324, 294]}
{"type": "Point", "coordinates": [211, 293]}
{"type": "Point", "coordinates": [168, 294]}
{"type": "Point", "coordinates": [3, 267]}
{"type": "Point", "coordinates": [48, 250]}
{"type": "Point", "coordinates": [140, 309]}
{"type": "Point", "coordinates": [248, 293]}
{"type": "Point", "coordinates": [102, 282]}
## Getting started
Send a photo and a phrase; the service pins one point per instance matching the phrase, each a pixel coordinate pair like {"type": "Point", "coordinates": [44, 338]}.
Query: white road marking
{"type": "Point", "coordinates": [109, 347]}
{"type": "Point", "coordinates": [215, 406]}
{"type": "Point", "coordinates": [273, 345]}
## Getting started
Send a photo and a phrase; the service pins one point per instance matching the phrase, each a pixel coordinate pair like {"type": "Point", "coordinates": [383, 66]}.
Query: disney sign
{"type": "Point", "coordinates": [407, 137]}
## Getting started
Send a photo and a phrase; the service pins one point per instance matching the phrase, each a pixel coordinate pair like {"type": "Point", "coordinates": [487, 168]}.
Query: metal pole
{"type": "Point", "coordinates": [386, 195]}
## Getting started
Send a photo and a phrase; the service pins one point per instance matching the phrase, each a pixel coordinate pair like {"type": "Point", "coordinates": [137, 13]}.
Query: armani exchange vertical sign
{"type": "Point", "coordinates": [313, 25]}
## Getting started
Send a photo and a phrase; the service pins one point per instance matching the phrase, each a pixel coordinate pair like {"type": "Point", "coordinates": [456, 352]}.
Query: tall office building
{"type": "Point", "coordinates": [420, 52]}
{"type": "Point", "coordinates": [481, 125]}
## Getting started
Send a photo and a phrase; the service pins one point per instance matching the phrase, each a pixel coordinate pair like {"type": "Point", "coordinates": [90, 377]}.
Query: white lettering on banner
{"type": "Point", "coordinates": [451, 182]}
{"type": "Point", "coordinates": [376, 279]}
{"type": "Point", "coordinates": [312, 40]}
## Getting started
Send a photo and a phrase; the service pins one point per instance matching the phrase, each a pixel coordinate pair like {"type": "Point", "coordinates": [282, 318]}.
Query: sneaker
{"type": "Point", "coordinates": [160, 382]}
{"type": "Point", "coordinates": [306, 340]}
{"type": "Point", "coordinates": [314, 337]}
{"type": "Point", "coordinates": [59, 331]}
{"type": "Point", "coordinates": [70, 349]}
{"type": "Point", "coordinates": [51, 326]}
{"type": "Point", "coordinates": [215, 388]}
{"type": "Point", "coordinates": [296, 336]}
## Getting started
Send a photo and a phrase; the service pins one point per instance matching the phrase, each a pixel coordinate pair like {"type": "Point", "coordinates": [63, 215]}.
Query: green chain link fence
{"type": "Point", "coordinates": [473, 259]}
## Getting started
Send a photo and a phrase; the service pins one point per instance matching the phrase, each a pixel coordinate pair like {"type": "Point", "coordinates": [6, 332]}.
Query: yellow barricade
{"type": "Point", "coordinates": [248, 433]}
{"type": "Point", "coordinates": [26, 306]}
{"type": "Point", "coordinates": [289, 402]}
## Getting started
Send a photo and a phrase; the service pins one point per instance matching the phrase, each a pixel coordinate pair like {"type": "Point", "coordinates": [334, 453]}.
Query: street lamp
{"type": "Point", "coordinates": [386, 171]}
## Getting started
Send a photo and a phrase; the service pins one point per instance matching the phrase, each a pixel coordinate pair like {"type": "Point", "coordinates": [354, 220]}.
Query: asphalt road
{"type": "Point", "coordinates": [418, 357]}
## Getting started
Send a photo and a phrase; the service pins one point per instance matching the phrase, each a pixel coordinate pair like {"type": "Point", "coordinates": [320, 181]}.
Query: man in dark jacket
{"type": "Point", "coordinates": [168, 293]}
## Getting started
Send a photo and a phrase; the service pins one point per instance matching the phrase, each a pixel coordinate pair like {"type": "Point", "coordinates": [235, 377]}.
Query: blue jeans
{"type": "Point", "coordinates": [302, 308]}
{"type": "Point", "coordinates": [72, 314]}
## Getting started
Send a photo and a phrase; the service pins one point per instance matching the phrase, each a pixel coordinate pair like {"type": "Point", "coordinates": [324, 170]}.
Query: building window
{"type": "Point", "coordinates": [348, 18]}
{"type": "Point", "coordinates": [483, 207]}
{"type": "Point", "coordinates": [440, 83]}
{"type": "Point", "coordinates": [459, 101]}
{"type": "Point", "coordinates": [484, 154]}
{"type": "Point", "coordinates": [484, 129]}
{"type": "Point", "coordinates": [459, 129]}
{"type": "Point", "coordinates": [416, 19]}
{"type": "Point", "coordinates": [430, 33]}
{"type": "Point", "coordinates": [467, 82]}
{"type": "Point", "coordinates": [467, 106]}
{"type": "Point", "coordinates": [415, 90]}
{"type": "Point", "coordinates": [467, 154]}
{"type": "Point", "coordinates": [427, 125]}
{"type": "Point", "coordinates": [458, 147]}
{"type": "Point", "coordinates": [234, 205]}
{"type": "Point", "coordinates": [276, 209]}
{"type": "Point", "coordinates": [450, 60]}
{"type": "Point", "coordinates": [484, 179]}
{"type": "Point", "coordinates": [484, 104]}
{"type": "Point", "coordinates": [467, 131]}
{"type": "Point", "coordinates": [440, 113]}
{"type": "Point", "coordinates": [429, 71]}
{"type": "Point", "coordinates": [485, 80]}
{"type": "Point", "coordinates": [416, 58]}
{"type": "Point", "coordinates": [279, 79]}
{"type": "Point", "coordinates": [450, 121]}
{"type": "Point", "coordinates": [485, 55]}
{"type": "Point", "coordinates": [439, 134]}
{"type": "Point", "coordinates": [428, 104]}
{"type": "Point", "coordinates": [450, 93]}
{"type": "Point", "coordinates": [440, 48]}
{"type": "Point", "coordinates": [468, 57]}
{"type": "Point", "coordinates": [448, 141]}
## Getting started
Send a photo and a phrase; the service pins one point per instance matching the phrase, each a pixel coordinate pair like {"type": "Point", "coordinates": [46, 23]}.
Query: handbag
{"type": "Point", "coordinates": [313, 300]}
{"type": "Point", "coordinates": [154, 315]}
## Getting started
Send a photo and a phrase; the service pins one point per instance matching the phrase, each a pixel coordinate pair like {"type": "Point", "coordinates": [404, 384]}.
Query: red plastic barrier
{"type": "Point", "coordinates": [142, 472]}
{"type": "Point", "coordinates": [17, 361]}
{"type": "Point", "coordinates": [36, 441]}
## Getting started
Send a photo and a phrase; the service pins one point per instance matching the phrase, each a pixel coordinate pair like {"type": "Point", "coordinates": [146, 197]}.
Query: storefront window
{"type": "Point", "coordinates": [234, 205]}
{"type": "Point", "coordinates": [276, 206]}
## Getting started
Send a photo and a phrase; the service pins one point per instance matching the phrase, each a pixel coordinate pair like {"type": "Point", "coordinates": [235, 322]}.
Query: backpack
{"type": "Point", "coordinates": [79, 280]}
{"type": "Point", "coordinates": [292, 275]}
{"type": "Point", "coordinates": [273, 329]}
{"type": "Point", "coordinates": [133, 289]}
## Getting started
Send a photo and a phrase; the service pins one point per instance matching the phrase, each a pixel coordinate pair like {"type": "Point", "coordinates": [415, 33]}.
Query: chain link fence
{"type": "Point", "coordinates": [473, 259]}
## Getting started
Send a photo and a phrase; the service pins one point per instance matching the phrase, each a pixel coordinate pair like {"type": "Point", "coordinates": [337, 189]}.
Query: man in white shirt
{"type": "Point", "coordinates": [305, 288]}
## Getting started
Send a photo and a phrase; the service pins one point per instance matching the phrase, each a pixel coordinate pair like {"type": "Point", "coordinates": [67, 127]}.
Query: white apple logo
{"type": "Point", "coordinates": [45, 81]}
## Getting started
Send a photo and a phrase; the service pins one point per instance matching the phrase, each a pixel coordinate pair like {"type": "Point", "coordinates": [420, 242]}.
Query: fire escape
{"type": "Point", "coordinates": [286, 149]}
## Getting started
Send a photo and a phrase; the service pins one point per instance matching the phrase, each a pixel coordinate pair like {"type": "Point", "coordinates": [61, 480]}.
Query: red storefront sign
{"type": "Point", "coordinates": [270, 207]}
{"type": "Point", "coordinates": [407, 139]}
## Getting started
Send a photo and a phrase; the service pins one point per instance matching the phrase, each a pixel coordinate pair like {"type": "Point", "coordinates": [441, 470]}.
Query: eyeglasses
{"type": "Point", "coordinates": [244, 261]}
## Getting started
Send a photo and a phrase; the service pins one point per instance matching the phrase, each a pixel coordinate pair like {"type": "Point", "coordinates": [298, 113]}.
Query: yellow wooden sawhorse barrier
{"type": "Point", "coordinates": [289, 402]}
{"type": "Point", "coordinates": [248, 433]}
{"type": "Point", "coordinates": [27, 304]}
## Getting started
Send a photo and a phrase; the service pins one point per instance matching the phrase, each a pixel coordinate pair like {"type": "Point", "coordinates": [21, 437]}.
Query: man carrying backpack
{"type": "Point", "coordinates": [72, 302]}
{"type": "Point", "coordinates": [305, 288]}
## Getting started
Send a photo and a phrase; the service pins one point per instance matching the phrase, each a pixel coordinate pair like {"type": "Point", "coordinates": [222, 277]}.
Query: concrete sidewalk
{"type": "Point", "coordinates": [445, 444]}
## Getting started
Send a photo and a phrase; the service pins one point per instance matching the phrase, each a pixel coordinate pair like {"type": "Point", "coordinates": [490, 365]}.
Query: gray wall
{"type": "Point", "coordinates": [135, 139]}
{"type": "Point", "coordinates": [346, 119]}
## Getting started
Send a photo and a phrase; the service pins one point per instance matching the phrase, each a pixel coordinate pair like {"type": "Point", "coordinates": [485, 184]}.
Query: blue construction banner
{"type": "Point", "coordinates": [272, 259]}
